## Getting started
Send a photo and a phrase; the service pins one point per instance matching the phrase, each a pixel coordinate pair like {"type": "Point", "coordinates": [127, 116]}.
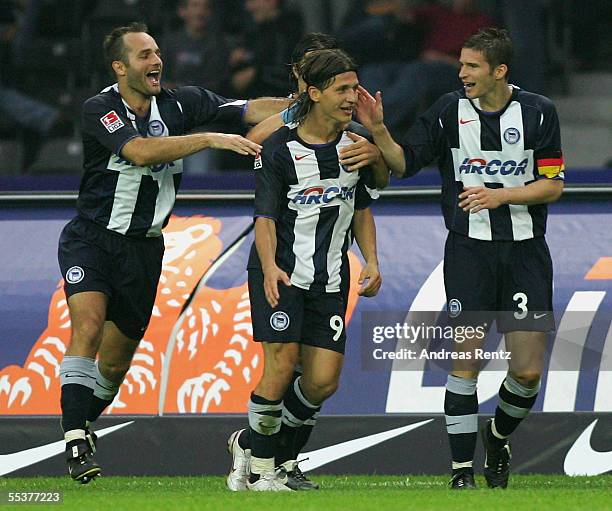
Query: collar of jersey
{"type": "Point", "coordinates": [515, 91]}
{"type": "Point", "coordinates": [318, 146]}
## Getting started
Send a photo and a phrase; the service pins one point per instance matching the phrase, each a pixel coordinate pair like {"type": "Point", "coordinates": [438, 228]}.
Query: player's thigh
{"type": "Point", "coordinates": [87, 313]}
{"type": "Point", "coordinates": [135, 284]}
{"type": "Point", "coordinates": [281, 324]}
{"type": "Point", "coordinates": [471, 291]}
{"type": "Point", "coordinates": [468, 341]}
{"type": "Point", "coordinates": [527, 287]}
{"type": "Point", "coordinates": [323, 344]}
{"type": "Point", "coordinates": [88, 306]}
{"type": "Point", "coordinates": [527, 353]}
{"type": "Point", "coordinates": [280, 358]}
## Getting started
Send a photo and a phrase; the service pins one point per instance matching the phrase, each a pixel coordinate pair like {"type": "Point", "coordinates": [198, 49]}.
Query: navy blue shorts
{"type": "Point", "coordinates": [511, 279]}
{"type": "Point", "coordinates": [127, 270]}
{"type": "Point", "coordinates": [306, 317]}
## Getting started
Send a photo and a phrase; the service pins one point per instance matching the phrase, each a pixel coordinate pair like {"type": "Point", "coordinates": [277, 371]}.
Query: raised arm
{"type": "Point", "coordinates": [370, 114]}
{"type": "Point", "coordinates": [260, 109]}
{"type": "Point", "coordinates": [265, 128]}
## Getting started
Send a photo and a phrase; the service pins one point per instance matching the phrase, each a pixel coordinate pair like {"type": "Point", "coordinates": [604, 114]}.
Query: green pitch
{"type": "Point", "coordinates": [346, 493]}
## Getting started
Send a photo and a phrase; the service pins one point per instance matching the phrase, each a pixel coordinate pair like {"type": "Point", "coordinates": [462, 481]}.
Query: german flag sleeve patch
{"type": "Point", "coordinates": [551, 167]}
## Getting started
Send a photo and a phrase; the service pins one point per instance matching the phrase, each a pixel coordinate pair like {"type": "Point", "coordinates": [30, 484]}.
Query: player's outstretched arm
{"type": "Point", "coordinates": [364, 230]}
{"type": "Point", "coordinates": [259, 109]}
{"type": "Point", "coordinates": [370, 114]}
{"type": "Point", "coordinates": [153, 151]}
{"type": "Point", "coordinates": [542, 191]}
{"type": "Point", "coordinates": [268, 126]}
{"type": "Point", "coordinates": [265, 243]}
{"type": "Point", "coordinates": [265, 128]}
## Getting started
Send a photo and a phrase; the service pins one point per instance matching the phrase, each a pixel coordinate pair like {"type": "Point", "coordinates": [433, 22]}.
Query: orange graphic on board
{"type": "Point", "coordinates": [205, 363]}
{"type": "Point", "coordinates": [601, 270]}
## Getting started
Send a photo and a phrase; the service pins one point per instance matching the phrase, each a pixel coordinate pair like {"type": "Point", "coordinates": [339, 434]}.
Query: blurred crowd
{"type": "Point", "coordinates": [51, 51]}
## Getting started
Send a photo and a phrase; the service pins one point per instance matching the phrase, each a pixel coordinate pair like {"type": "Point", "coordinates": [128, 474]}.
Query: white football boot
{"type": "Point", "coordinates": [268, 481]}
{"type": "Point", "coordinates": [239, 473]}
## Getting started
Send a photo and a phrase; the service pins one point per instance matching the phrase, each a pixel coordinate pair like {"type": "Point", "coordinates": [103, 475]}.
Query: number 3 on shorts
{"type": "Point", "coordinates": [521, 299]}
{"type": "Point", "coordinates": [336, 324]}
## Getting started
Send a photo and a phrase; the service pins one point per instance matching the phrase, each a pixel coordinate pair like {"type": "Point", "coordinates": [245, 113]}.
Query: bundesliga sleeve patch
{"type": "Point", "coordinates": [551, 167]}
{"type": "Point", "coordinates": [111, 121]}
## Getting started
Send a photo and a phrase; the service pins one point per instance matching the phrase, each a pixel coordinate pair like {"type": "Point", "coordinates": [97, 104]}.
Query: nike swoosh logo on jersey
{"type": "Point", "coordinates": [299, 157]}
{"type": "Point", "coordinates": [583, 460]}
{"type": "Point", "coordinates": [320, 457]}
{"type": "Point", "coordinates": [461, 121]}
{"type": "Point", "coordinates": [21, 459]}
{"type": "Point", "coordinates": [538, 316]}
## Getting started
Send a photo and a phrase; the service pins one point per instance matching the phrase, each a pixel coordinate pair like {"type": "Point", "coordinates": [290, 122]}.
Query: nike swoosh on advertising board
{"type": "Point", "coordinates": [17, 460]}
{"type": "Point", "coordinates": [583, 460]}
{"type": "Point", "coordinates": [320, 457]}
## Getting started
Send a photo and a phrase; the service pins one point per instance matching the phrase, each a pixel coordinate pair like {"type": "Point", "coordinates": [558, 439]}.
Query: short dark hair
{"type": "Point", "coordinates": [114, 49]}
{"type": "Point", "coordinates": [494, 44]}
{"type": "Point", "coordinates": [311, 42]}
{"type": "Point", "coordinates": [319, 69]}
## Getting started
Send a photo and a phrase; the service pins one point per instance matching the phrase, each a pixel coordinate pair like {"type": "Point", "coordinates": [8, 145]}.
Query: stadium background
{"type": "Point", "coordinates": [196, 360]}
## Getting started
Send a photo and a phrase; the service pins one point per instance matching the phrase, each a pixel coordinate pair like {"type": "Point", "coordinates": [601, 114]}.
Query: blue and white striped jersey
{"type": "Point", "coordinates": [123, 197]}
{"type": "Point", "coordinates": [312, 198]}
{"type": "Point", "coordinates": [513, 147]}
